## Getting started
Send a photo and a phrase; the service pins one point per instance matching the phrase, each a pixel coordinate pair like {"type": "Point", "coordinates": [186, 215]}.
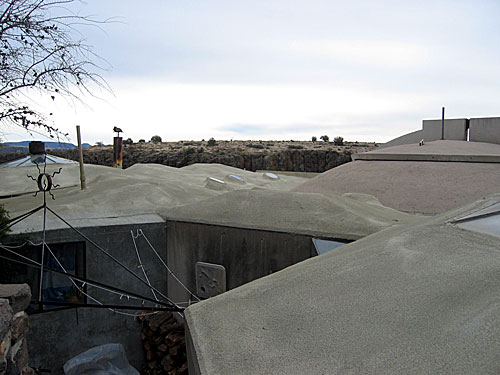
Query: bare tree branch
{"type": "Point", "coordinates": [38, 51]}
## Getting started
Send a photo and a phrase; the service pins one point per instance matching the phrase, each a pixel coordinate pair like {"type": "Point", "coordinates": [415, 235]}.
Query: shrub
{"type": "Point", "coordinates": [296, 147]}
{"type": "Point", "coordinates": [338, 141]}
{"type": "Point", "coordinates": [255, 145]}
{"type": "Point", "coordinates": [155, 139]}
{"type": "Point", "coordinates": [128, 141]}
{"type": "Point", "coordinates": [314, 139]}
{"type": "Point", "coordinates": [211, 142]}
{"type": "Point", "coordinates": [99, 143]}
{"type": "Point", "coordinates": [324, 138]}
{"type": "Point", "coordinates": [142, 141]}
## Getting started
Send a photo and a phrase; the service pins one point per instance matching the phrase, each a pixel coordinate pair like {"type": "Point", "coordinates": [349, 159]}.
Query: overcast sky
{"type": "Point", "coordinates": [286, 69]}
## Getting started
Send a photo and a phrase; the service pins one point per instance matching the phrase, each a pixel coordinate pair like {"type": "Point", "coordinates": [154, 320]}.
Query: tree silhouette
{"type": "Point", "coordinates": [39, 52]}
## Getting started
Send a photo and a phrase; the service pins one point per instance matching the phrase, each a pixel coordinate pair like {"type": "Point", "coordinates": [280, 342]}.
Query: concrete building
{"type": "Point", "coordinates": [177, 210]}
{"type": "Point", "coordinates": [415, 299]}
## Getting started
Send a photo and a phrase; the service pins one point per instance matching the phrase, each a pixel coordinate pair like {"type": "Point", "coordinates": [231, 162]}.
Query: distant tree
{"type": "Point", "coordinates": [128, 141]}
{"type": "Point", "coordinates": [324, 138]}
{"type": "Point", "coordinates": [314, 139]}
{"type": "Point", "coordinates": [212, 142]}
{"type": "Point", "coordinates": [338, 141]}
{"type": "Point", "coordinates": [155, 139]}
{"type": "Point", "coordinates": [142, 141]}
{"type": "Point", "coordinates": [39, 53]}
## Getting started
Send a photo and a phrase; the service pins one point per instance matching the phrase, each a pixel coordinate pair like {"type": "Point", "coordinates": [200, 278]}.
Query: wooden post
{"type": "Point", "coordinates": [80, 150]}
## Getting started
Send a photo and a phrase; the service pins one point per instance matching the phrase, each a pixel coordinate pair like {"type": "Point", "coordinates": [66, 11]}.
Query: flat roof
{"type": "Point", "coordinates": [443, 151]}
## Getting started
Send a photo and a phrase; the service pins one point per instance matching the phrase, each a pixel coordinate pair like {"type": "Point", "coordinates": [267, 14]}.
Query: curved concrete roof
{"type": "Point", "coordinates": [400, 178]}
{"type": "Point", "coordinates": [349, 217]}
{"type": "Point", "coordinates": [417, 299]}
{"type": "Point", "coordinates": [140, 189]}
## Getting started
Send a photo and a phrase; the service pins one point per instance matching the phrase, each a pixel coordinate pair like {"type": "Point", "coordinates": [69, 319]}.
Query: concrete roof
{"type": "Point", "coordinates": [417, 299]}
{"type": "Point", "coordinates": [451, 151]}
{"type": "Point", "coordinates": [140, 189]}
{"type": "Point", "coordinates": [400, 180]}
{"type": "Point", "coordinates": [348, 217]}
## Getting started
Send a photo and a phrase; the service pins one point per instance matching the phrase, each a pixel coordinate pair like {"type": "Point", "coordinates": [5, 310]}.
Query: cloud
{"type": "Point", "coordinates": [373, 53]}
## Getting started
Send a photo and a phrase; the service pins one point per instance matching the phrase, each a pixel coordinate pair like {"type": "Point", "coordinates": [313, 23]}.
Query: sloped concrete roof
{"type": "Point", "coordinates": [402, 178]}
{"type": "Point", "coordinates": [347, 217]}
{"type": "Point", "coordinates": [416, 299]}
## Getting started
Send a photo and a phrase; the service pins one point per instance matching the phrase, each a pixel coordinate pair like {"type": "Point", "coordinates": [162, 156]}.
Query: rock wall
{"type": "Point", "coordinates": [14, 326]}
{"type": "Point", "coordinates": [280, 160]}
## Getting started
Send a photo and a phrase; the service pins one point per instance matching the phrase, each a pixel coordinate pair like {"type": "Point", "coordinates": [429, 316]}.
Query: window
{"type": "Point", "coordinates": [484, 221]}
{"type": "Point", "coordinates": [55, 287]}
{"type": "Point", "coordinates": [324, 246]}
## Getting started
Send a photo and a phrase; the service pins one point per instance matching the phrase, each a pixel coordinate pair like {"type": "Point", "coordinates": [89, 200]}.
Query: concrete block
{"type": "Point", "coordinates": [454, 130]}
{"type": "Point", "coordinates": [485, 130]}
{"type": "Point", "coordinates": [19, 295]}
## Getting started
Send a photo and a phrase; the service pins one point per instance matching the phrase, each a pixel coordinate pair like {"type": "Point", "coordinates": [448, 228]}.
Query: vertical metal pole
{"type": "Point", "coordinates": [80, 151]}
{"type": "Point", "coordinates": [442, 123]}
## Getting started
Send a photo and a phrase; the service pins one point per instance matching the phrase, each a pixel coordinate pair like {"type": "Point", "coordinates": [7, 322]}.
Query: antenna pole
{"type": "Point", "coordinates": [442, 123]}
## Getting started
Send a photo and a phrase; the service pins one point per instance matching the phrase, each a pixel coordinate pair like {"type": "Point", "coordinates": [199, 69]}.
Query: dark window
{"type": "Point", "coordinates": [55, 287]}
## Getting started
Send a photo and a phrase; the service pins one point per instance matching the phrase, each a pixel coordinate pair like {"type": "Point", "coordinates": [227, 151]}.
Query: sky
{"type": "Point", "coordinates": [283, 69]}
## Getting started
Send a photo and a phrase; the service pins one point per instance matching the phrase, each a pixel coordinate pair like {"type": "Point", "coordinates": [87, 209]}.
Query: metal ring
{"type": "Point", "coordinates": [40, 182]}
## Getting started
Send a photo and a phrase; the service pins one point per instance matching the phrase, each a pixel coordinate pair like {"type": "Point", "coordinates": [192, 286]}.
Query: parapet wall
{"type": "Point", "coordinates": [485, 129]}
{"type": "Point", "coordinates": [14, 326]}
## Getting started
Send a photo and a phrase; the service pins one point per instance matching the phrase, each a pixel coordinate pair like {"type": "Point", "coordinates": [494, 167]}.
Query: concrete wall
{"type": "Point", "coordinates": [485, 130]}
{"type": "Point", "coordinates": [246, 254]}
{"type": "Point", "coordinates": [454, 130]}
{"type": "Point", "coordinates": [57, 336]}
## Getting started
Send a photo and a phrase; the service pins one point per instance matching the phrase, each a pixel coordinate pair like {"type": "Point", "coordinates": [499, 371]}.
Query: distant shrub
{"type": "Point", "coordinates": [296, 147]}
{"type": "Point", "coordinates": [190, 143]}
{"type": "Point", "coordinates": [128, 141]}
{"type": "Point", "coordinates": [255, 145]}
{"type": "Point", "coordinates": [142, 141]}
{"type": "Point", "coordinates": [212, 142]}
{"type": "Point", "coordinates": [155, 139]}
{"type": "Point", "coordinates": [314, 139]}
{"type": "Point", "coordinates": [99, 143]}
{"type": "Point", "coordinates": [338, 141]}
{"type": "Point", "coordinates": [324, 138]}
{"type": "Point", "coordinates": [189, 150]}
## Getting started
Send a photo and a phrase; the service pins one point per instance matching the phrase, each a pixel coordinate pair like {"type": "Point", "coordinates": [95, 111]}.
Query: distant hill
{"type": "Point", "coordinates": [48, 145]}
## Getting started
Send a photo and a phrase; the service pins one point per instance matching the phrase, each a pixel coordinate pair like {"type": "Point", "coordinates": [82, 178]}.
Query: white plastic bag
{"type": "Point", "coordinates": [108, 359]}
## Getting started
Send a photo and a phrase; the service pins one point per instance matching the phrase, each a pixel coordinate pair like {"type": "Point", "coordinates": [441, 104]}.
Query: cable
{"type": "Point", "coordinates": [141, 265]}
{"type": "Point", "coordinates": [170, 272]}
{"type": "Point", "coordinates": [110, 256]}
{"type": "Point", "coordinates": [91, 282]}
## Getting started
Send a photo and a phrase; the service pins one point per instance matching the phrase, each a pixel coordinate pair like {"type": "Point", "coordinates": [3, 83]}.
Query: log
{"type": "Point", "coordinates": [166, 328]}
{"type": "Point", "coordinates": [173, 338]}
{"type": "Point", "coordinates": [156, 320]}
{"type": "Point", "coordinates": [177, 348]}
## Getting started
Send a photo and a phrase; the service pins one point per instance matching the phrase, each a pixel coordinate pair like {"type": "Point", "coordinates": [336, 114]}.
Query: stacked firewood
{"type": "Point", "coordinates": [165, 348]}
